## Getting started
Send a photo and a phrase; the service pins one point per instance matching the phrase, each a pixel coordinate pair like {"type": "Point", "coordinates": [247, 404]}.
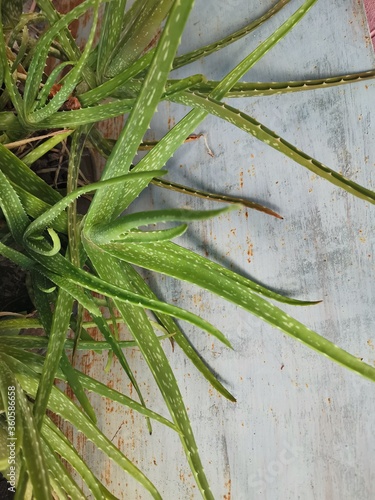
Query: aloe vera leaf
{"type": "Point", "coordinates": [141, 287]}
{"type": "Point", "coordinates": [22, 176]}
{"type": "Point", "coordinates": [204, 263]}
{"type": "Point", "coordinates": [110, 33]}
{"type": "Point", "coordinates": [101, 112]}
{"type": "Point", "coordinates": [232, 78]}
{"type": "Point", "coordinates": [175, 86]}
{"type": "Point", "coordinates": [75, 383]}
{"type": "Point", "coordinates": [224, 42]}
{"type": "Point", "coordinates": [75, 155]}
{"type": "Point", "coordinates": [19, 323]}
{"type": "Point", "coordinates": [60, 404]}
{"type": "Point", "coordinates": [60, 444]}
{"type": "Point", "coordinates": [22, 49]}
{"type": "Point", "coordinates": [85, 280]}
{"type": "Point", "coordinates": [85, 116]}
{"type": "Point", "coordinates": [93, 114]}
{"type": "Point", "coordinates": [255, 89]}
{"type": "Point", "coordinates": [107, 88]}
{"type": "Point", "coordinates": [119, 227]}
{"type": "Point", "coordinates": [144, 108]}
{"type": "Point", "coordinates": [165, 148]}
{"type": "Point", "coordinates": [140, 34]}
{"type": "Point", "coordinates": [115, 349]}
{"type": "Point", "coordinates": [7, 77]}
{"type": "Point", "coordinates": [65, 37]}
{"type": "Point", "coordinates": [67, 42]}
{"type": "Point", "coordinates": [168, 258]}
{"type": "Point", "coordinates": [42, 97]}
{"type": "Point", "coordinates": [70, 81]}
{"type": "Point", "coordinates": [42, 301]}
{"type": "Point", "coordinates": [35, 362]}
{"type": "Point", "coordinates": [252, 126]}
{"type": "Point", "coordinates": [135, 236]}
{"type": "Point", "coordinates": [124, 295]}
{"type": "Point", "coordinates": [220, 44]}
{"type": "Point", "coordinates": [36, 67]}
{"type": "Point", "coordinates": [35, 207]}
{"type": "Point", "coordinates": [25, 19]}
{"type": "Point", "coordinates": [223, 198]}
{"type": "Point", "coordinates": [52, 213]}
{"type": "Point", "coordinates": [9, 122]}
{"type": "Point", "coordinates": [45, 147]}
{"type": "Point", "coordinates": [57, 335]}
{"type": "Point", "coordinates": [12, 209]}
{"type": "Point", "coordinates": [29, 341]}
{"type": "Point", "coordinates": [154, 355]}
{"type": "Point", "coordinates": [11, 11]}
{"type": "Point", "coordinates": [31, 444]}
{"type": "Point", "coordinates": [16, 257]}
{"type": "Point", "coordinates": [131, 15]}
{"type": "Point", "coordinates": [74, 241]}
{"type": "Point", "coordinates": [62, 481]}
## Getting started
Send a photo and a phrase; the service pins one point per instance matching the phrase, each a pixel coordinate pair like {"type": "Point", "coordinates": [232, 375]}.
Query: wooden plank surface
{"type": "Point", "coordinates": [302, 427]}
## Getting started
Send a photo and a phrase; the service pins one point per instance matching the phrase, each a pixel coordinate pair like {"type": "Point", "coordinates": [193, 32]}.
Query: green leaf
{"type": "Point", "coordinates": [57, 335]}
{"type": "Point", "coordinates": [75, 383]}
{"type": "Point", "coordinates": [61, 445]}
{"type": "Point", "coordinates": [175, 261]}
{"type": "Point", "coordinates": [42, 97]}
{"type": "Point", "coordinates": [31, 444]}
{"type": "Point", "coordinates": [35, 362]}
{"type": "Point", "coordinates": [224, 42]}
{"type": "Point", "coordinates": [6, 75]}
{"type": "Point", "coordinates": [14, 213]}
{"type": "Point", "coordinates": [166, 147]}
{"type": "Point", "coordinates": [60, 404]}
{"type": "Point", "coordinates": [121, 226]}
{"type": "Point", "coordinates": [21, 175]}
{"type": "Point", "coordinates": [110, 33]}
{"type": "Point", "coordinates": [85, 116]}
{"type": "Point", "coordinates": [30, 341]}
{"type": "Point", "coordinates": [250, 125]}
{"type": "Point", "coordinates": [109, 87]}
{"type": "Point", "coordinates": [222, 198]}
{"type": "Point", "coordinates": [101, 210]}
{"type": "Point", "coordinates": [124, 295]}
{"type": "Point", "coordinates": [258, 89]}
{"type": "Point", "coordinates": [42, 222]}
{"type": "Point", "coordinates": [11, 11]}
{"type": "Point", "coordinates": [141, 33]}
{"type": "Point", "coordinates": [36, 67]}
{"type": "Point", "coordinates": [61, 480]}
{"type": "Point", "coordinates": [141, 287]}
{"type": "Point", "coordinates": [154, 355]}
{"type": "Point", "coordinates": [71, 80]}
{"type": "Point", "coordinates": [45, 147]}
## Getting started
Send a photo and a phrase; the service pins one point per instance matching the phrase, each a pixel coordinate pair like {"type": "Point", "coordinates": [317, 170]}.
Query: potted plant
{"type": "Point", "coordinates": [79, 261]}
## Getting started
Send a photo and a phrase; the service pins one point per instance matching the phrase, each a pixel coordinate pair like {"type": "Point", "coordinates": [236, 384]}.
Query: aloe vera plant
{"type": "Point", "coordinates": [71, 256]}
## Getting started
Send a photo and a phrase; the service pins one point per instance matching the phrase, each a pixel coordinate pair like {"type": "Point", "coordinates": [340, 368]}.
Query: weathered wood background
{"type": "Point", "coordinates": [302, 426]}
